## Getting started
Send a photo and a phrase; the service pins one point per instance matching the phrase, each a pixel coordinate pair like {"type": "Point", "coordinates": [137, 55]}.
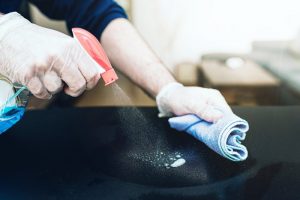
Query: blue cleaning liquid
{"type": "Point", "coordinates": [9, 117]}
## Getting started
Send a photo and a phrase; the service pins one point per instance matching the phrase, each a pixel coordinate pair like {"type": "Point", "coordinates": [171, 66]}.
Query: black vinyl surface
{"type": "Point", "coordinates": [119, 153]}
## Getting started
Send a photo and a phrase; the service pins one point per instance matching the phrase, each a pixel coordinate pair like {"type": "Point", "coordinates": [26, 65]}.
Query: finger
{"type": "Point", "coordinates": [221, 105]}
{"type": "Point", "coordinates": [208, 113]}
{"type": "Point", "coordinates": [37, 88]}
{"type": "Point", "coordinates": [219, 102]}
{"type": "Point", "coordinates": [52, 82]}
{"type": "Point", "coordinates": [76, 84]}
{"type": "Point", "coordinates": [88, 68]}
{"type": "Point", "coordinates": [70, 74]}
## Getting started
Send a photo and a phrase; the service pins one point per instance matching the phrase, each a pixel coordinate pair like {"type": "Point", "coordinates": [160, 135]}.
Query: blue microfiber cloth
{"type": "Point", "coordinates": [224, 136]}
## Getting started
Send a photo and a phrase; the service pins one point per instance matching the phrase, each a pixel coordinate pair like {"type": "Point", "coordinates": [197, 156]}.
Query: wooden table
{"type": "Point", "coordinates": [249, 84]}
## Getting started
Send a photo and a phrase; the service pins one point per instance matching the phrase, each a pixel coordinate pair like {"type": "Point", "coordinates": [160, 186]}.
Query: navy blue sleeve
{"type": "Point", "coordinates": [92, 15]}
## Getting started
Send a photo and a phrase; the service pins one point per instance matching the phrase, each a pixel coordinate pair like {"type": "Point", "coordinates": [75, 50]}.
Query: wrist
{"type": "Point", "coordinates": [163, 98]}
{"type": "Point", "coordinates": [155, 83]}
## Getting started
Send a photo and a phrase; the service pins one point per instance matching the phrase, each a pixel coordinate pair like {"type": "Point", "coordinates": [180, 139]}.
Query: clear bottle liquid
{"type": "Point", "coordinates": [13, 101]}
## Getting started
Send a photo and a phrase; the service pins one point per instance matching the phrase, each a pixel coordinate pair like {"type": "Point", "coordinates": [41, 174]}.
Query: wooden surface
{"type": "Point", "coordinates": [249, 84]}
{"type": "Point", "coordinates": [111, 95]}
{"type": "Point", "coordinates": [251, 74]}
{"type": "Point", "coordinates": [186, 73]}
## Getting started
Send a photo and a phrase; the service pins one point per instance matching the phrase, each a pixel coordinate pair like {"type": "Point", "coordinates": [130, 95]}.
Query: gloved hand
{"type": "Point", "coordinates": [175, 99]}
{"type": "Point", "coordinates": [43, 59]}
{"type": "Point", "coordinates": [204, 114]}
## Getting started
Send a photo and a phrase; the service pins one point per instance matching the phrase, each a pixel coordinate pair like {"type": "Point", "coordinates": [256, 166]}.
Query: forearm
{"type": "Point", "coordinates": [131, 55]}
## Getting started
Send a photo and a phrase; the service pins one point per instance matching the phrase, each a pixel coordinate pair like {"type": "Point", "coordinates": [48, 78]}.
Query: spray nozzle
{"type": "Point", "coordinates": [94, 49]}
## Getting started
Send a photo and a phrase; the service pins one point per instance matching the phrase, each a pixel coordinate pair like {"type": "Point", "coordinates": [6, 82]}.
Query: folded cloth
{"type": "Point", "coordinates": [224, 136]}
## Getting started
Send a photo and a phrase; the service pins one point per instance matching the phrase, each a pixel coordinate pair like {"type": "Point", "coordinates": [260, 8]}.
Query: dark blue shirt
{"type": "Point", "coordinates": [92, 15]}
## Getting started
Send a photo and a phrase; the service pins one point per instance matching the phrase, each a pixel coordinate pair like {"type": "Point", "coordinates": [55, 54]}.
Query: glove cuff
{"type": "Point", "coordinates": [9, 22]}
{"type": "Point", "coordinates": [162, 99]}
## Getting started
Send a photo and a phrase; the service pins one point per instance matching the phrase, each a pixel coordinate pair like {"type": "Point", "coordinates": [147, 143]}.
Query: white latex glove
{"type": "Point", "coordinates": [43, 59]}
{"type": "Point", "coordinates": [175, 99]}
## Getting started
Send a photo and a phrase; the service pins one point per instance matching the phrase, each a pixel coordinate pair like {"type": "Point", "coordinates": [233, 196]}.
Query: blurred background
{"type": "Point", "coordinates": [249, 50]}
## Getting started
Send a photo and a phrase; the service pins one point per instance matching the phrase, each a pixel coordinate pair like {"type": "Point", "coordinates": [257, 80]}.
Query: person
{"type": "Point", "coordinates": [47, 61]}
